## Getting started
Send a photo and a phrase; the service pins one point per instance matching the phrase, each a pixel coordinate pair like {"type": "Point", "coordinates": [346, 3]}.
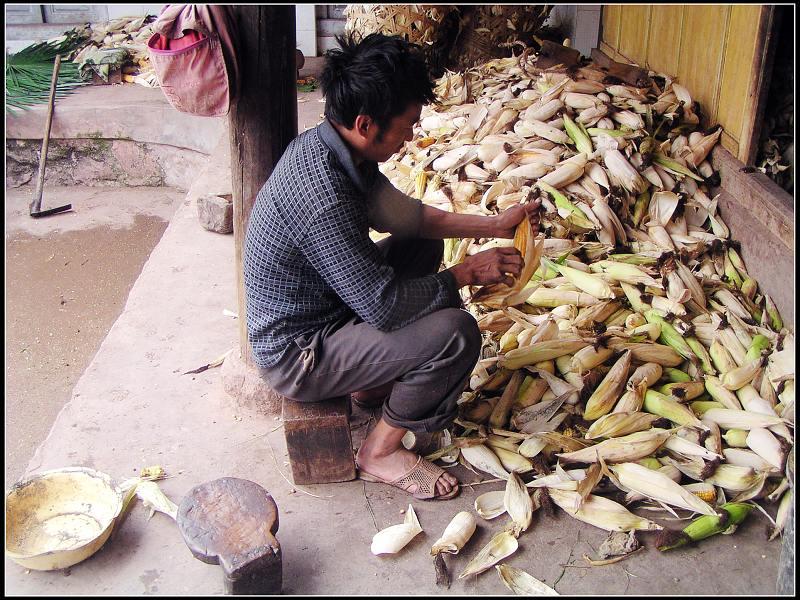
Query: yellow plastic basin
{"type": "Point", "coordinates": [58, 518]}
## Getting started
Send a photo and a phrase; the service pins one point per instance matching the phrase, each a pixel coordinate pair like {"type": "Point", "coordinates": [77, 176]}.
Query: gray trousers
{"type": "Point", "coordinates": [429, 360]}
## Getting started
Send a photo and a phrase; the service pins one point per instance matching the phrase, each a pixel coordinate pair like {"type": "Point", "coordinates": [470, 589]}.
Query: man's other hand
{"type": "Point", "coordinates": [497, 265]}
{"type": "Point", "coordinates": [508, 220]}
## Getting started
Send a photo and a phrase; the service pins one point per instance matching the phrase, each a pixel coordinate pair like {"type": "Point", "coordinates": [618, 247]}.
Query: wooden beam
{"type": "Point", "coordinates": [262, 121]}
{"type": "Point", "coordinates": [760, 78]}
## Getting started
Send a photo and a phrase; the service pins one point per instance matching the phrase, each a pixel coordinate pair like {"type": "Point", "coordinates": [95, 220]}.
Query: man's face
{"type": "Point", "coordinates": [383, 142]}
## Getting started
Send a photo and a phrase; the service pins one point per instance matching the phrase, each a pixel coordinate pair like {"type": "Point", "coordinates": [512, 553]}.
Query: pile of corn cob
{"type": "Point", "coordinates": [130, 33]}
{"type": "Point", "coordinates": [635, 354]}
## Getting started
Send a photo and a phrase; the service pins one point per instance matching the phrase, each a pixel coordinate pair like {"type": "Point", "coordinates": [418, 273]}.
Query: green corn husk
{"type": "Point", "coordinates": [673, 166]}
{"type": "Point", "coordinates": [650, 462]}
{"type": "Point", "coordinates": [749, 288]}
{"type": "Point", "coordinates": [633, 259]}
{"type": "Point", "coordinates": [774, 316]}
{"type": "Point", "coordinates": [641, 207]}
{"type": "Point", "coordinates": [582, 141]}
{"type": "Point", "coordinates": [699, 407]}
{"type": "Point", "coordinates": [759, 344]}
{"type": "Point", "coordinates": [520, 357]}
{"type": "Point", "coordinates": [731, 273]}
{"type": "Point", "coordinates": [701, 353]}
{"type": "Point", "coordinates": [658, 404]}
{"type": "Point", "coordinates": [561, 201]}
{"type": "Point", "coordinates": [704, 526]}
{"type": "Point", "coordinates": [635, 298]}
{"type": "Point", "coordinates": [670, 336]}
{"type": "Point", "coordinates": [683, 391]}
{"type": "Point", "coordinates": [736, 438]}
{"type": "Point", "coordinates": [676, 375]}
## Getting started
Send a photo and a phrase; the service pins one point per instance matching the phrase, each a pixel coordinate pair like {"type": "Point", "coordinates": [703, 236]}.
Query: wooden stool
{"type": "Point", "coordinates": [233, 522]}
{"type": "Point", "coordinates": [318, 440]}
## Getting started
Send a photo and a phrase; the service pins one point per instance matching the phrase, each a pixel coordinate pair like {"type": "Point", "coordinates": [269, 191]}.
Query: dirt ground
{"type": "Point", "coordinates": [67, 279]}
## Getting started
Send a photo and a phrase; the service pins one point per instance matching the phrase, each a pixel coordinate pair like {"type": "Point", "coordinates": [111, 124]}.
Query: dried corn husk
{"type": "Point", "coordinates": [394, 538]}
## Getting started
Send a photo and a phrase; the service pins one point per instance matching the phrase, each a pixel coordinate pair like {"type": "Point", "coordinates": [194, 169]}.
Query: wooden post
{"type": "Point", "coordinates": [263, 121]}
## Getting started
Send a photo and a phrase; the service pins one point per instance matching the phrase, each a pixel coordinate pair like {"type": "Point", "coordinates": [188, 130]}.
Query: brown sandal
{"type": "Point", "coordinates": [425, 474]}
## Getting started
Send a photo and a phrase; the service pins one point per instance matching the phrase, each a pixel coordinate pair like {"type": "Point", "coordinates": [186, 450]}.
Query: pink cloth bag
{"type": "Point", "coordinates": [194, 54]}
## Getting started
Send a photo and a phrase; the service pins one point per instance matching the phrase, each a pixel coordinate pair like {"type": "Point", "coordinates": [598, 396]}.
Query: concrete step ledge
{"type": "Point", "coordinates": [125, 112]}
{"type": "Point", "coordinates": [112, 135]}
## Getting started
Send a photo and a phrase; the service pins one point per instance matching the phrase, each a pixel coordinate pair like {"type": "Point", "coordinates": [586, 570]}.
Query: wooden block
{"type": "Point", "coordinates": [318, 440]}
{"type": "Point", "coordinates": [553, 54]}
{"type": "Point", "coordinates": [629, 74]}
{"type": "Point", "coordinates": [232, 522]}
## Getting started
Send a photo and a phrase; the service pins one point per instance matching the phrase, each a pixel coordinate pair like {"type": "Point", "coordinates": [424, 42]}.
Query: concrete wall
{"type": "Point", "coordinates": [581, 23]}
{"type": "Point", "coordinates": [20, 36]}
{"type": "Point", "coordinates": [132, 10]}
{"type": "Point", "coordinates": [306, 29]}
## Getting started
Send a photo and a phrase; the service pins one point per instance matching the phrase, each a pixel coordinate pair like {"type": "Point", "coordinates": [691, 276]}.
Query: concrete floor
{"type": "Point", "coordinates": [134, 407]}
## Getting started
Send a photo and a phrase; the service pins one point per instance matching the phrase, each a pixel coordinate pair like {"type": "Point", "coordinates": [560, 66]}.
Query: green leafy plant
{"type": "Point", "coordinates": [29, 71]}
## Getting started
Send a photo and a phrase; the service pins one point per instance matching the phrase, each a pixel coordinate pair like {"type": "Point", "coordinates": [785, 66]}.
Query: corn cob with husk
{"type": "Point", "coordinates": [635, 261]}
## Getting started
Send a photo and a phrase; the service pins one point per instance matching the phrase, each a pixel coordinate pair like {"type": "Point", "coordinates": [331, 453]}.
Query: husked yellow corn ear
{"type": "Point", "coordinates": [703, 490]}
{"type": "Point", "coordinates": [420, 184]}
{"type": "Point", "coordinates": [608, 392]}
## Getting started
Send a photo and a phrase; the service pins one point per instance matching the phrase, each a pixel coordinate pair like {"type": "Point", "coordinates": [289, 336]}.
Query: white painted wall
{"type": "Point", "coordinates": [581, 23]}
{"type": "Point", "coordinates": [116, 11]}
{"type": "Point", "coordinates": [306, 29]}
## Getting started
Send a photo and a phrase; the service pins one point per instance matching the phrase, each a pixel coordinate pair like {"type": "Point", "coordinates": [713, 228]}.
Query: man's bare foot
{"type": "Point", "coordinates": [383, 455]}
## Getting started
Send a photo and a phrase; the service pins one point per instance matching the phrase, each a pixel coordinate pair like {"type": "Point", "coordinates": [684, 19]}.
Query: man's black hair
{"type": "Point", "coordinates": [378, 76]}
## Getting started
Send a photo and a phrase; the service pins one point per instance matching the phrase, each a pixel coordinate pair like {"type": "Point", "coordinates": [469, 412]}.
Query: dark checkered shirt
{"type": "Point", "coordinates": [308, 258]}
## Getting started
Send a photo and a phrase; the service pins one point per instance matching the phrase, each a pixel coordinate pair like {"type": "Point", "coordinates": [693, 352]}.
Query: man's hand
{"type": "Point", "coordinates": [498, 265]}
{"type": "Point", "coordinates": [508, 220]}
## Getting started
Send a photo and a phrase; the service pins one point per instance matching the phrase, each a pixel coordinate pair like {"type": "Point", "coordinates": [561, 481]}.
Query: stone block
{"type": "Point", "coordinates": [246, 388]}
{"type": "Point", "coordinates": [215, 213]}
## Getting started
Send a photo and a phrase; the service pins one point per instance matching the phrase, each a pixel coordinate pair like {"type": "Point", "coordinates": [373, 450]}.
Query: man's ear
{"type": "Point", "coordinates": [362, 125]}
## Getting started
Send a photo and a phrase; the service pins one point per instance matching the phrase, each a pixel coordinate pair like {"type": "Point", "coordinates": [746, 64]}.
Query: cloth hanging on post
{"type": "Point", "coordinates": [194, 52]}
